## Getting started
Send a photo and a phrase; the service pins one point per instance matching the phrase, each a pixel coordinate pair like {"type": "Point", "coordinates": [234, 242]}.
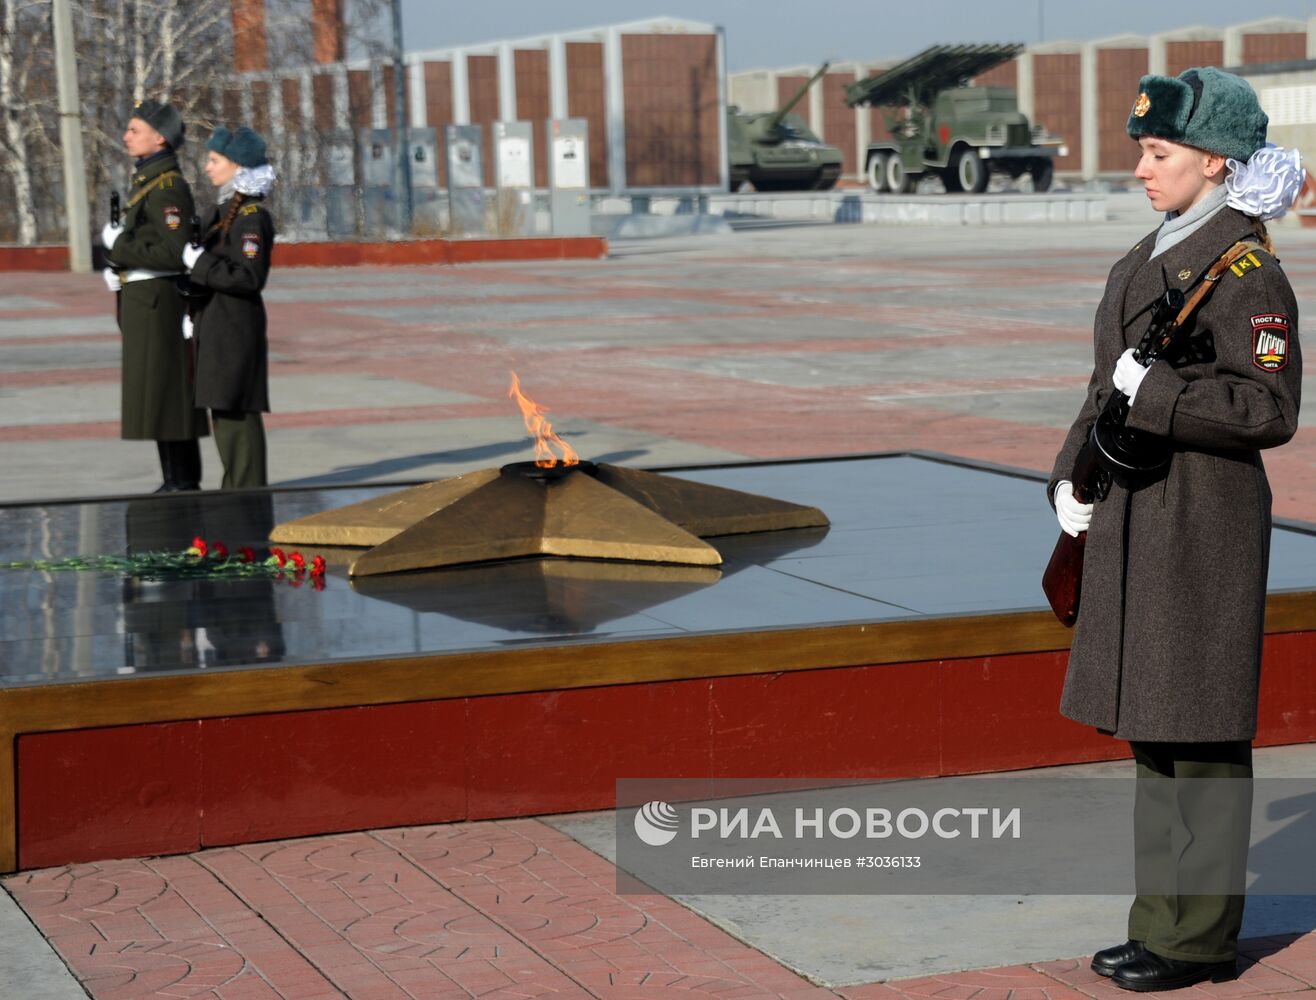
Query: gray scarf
{"type": "Point", "coordinates": [1177, 228]}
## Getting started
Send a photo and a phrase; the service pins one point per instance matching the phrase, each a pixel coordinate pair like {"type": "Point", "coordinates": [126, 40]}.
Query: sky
{"type": "Point", "coordinates": [840, 30]}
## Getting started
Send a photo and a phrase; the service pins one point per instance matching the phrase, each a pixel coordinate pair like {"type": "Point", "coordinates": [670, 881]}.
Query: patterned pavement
{"type": "Point", "coordinates": [493, 909]}
{"type": "Point", "coordinates": [776, 343]}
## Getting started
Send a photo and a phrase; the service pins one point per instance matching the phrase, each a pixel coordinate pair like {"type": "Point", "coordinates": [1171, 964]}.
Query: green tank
{"type": "Point", "coordinates": [777, 151]}
{"type": "Point", "coordinates": [941, 126]}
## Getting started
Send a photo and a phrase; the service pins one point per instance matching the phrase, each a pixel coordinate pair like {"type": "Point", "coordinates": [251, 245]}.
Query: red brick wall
{"type": "Point", "coordinates": [670, 95]}
{"type": "Point", "coordinates": [249, 49]}
{"type": "Point", "coordinates": [1118, 73]}
{"type": "Point", "coordinates": [585, 99]}
{"type": "Point", "coordinates": [327, 30]}
{"type": "Point", "coordinates": [786, 88]}
{"type": "Point", "coordinates": [390, 103]}
{"type": "Point", "coordinates": [438, 109]}
{"type": "Point", "coordinates": [482, 86]}
{"type": "Point", "coordinates": [1277, 46]}
{"type": "Point", "coordinates": [533, 103]}
{"type": "Point", "coordinates": [1056, 102]}
{"type": "Point", "coordinates": [1180, 56]}
{"type": "Point", "coordinates": [231, 105]}
{"type": "Point", "coordinates": [291, 92]}
{"type": "Point", "coordinates": [1004, 75]}
{"type": "Point", "coordinates": [359, 99]}
{"type": "Point", "coordinates": [260, 106]}
{"type": "Point", "coordinates": [322, 94]}
{"type": "Point", "coordinates": [838, 119]}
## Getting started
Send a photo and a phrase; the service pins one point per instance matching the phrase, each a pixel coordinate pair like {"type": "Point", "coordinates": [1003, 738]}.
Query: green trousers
{"type": "Point", "coordinates": [240, 437]}
{"type": "Point", "coordinates": [1192, 819]}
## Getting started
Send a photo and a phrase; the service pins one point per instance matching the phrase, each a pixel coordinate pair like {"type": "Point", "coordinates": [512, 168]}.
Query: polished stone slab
{"type": "Point", "coordinates": [910, 537]}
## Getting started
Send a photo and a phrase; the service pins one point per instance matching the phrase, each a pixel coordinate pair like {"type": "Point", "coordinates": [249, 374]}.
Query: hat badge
{"type": "Point", "coordinates": [1142, 105]}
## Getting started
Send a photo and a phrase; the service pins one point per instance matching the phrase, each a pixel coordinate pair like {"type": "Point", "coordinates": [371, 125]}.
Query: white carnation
{"type": "Point", "coordinates": [1266, 185]}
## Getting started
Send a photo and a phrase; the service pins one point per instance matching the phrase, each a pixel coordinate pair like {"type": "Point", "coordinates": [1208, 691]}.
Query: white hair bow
{"type": "Point", "coordinates": [1266, 185]}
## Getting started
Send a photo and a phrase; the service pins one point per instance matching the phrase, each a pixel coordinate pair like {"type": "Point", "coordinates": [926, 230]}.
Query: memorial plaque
{"type": "Point", "coordinates": [515, 173]}
{"type": "Point", "coordinates": [465, 145]}
{"type": "Point", "coordinates": [568, 175]}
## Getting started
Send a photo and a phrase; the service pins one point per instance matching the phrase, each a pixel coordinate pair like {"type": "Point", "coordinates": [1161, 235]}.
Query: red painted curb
{"type": "Point", "coordinates": [55, 257]}
{"type": "Point", "coordinates": [52, 257]}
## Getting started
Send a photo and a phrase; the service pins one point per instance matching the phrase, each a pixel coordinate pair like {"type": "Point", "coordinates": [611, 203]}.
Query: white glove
{"type": "Point", "coordinates": [187, 327]}
{"type": "Point", "coordinates": [109, 234]}
{"type": "Point", "coordinates": [112, 281]}
{"type": "Point", "coordinates": [1072, 515]}
{"type": "Point", "coordinates": [1128, 375]}
{"type": "Point", "coordinates": [191, 255]}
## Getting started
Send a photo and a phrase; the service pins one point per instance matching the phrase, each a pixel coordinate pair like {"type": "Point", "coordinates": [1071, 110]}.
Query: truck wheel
{"type": "Point", "coordinates": [969, 170]}
{"type": "Point", "coordinates": [877, 172]}
{"type": "Point", "coordinates": [1042, 172]}
{"type": "Point", "coordinates": [898, 180]}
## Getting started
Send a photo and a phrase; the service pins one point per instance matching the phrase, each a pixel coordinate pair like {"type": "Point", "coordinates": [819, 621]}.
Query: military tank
{"type": "Point", "coordinates": [941, 126]}
{"type": "Point", "coordinates": [777, 151]}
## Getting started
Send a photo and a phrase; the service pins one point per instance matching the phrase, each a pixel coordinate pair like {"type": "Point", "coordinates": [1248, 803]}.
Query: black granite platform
{"type": "Point", "coordinates": [911, 536]}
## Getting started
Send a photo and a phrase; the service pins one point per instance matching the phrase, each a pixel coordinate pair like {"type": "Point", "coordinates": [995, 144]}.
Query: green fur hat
{"type": "Point", "coordinates": [245, 147]}
{"type": "Point", "coordinates": [161, 117]}
{"type": "Point", "coordinates": [1203, 107]}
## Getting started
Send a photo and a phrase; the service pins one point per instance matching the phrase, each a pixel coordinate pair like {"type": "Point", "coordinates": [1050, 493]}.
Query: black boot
{"type": "Point", "coordinates": [1106, 961]}
{"type": "Point", "coordinates": [187, 464]}
{"type": "Point", "coordinates": [180, 464]}
{"type": "Point", "coordinates": [1151, 973]}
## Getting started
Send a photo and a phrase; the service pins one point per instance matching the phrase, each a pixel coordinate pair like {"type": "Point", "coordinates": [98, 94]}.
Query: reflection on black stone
{"type": "Point", "coordinates": [571, 596]}
{"type": "Point", "coordinates": [540, 596]}
{"type": "Point", "coordinates": [181, 624]}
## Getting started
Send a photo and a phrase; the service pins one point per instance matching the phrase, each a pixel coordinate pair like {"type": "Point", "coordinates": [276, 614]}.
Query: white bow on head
{"type": "Point", "coordinates": [254, 180]}
{"type": "Point", "coordinates": [1266, 185]}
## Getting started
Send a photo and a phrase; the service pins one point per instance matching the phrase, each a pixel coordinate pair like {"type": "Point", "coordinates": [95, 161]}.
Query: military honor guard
{"type": "Point", "coordinates": [228, 270]}
{"type": "Point", "coordinates": [1167, 645]}
{"type": "Point", "coordinates": [145, 253]}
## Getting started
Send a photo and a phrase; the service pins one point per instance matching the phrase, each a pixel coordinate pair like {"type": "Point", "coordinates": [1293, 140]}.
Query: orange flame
{"type": "Point", "coordinates": [538, 427]}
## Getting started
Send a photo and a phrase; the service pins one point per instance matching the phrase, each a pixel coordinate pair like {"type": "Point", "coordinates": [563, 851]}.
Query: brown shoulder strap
{"type": "Point", "coordinates": [158, 182]}
{"type": "Point", "coordinates": [1239, 250]}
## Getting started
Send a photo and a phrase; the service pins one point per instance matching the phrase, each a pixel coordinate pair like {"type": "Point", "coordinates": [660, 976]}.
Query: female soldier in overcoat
{"type": "Point", "coordinates": [231, 265]}
{"type": "Point", "coordinates": [145, 257]}
{"type": "Point", "coordinates": [1167, 647]}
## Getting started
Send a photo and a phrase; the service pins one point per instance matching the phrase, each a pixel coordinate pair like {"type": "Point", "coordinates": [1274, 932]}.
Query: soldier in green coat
{"type": "Point", "coordinates": [145, 254]}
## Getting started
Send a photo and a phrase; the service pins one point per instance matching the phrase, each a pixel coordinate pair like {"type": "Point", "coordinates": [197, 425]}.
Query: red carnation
{"type": "Point", "coordinates": [221, 550]}
{"type": "Point", "coordinates": [298, 560]}
{"type": "Point", "coordinates": [278, 556]}
{"type": "Point", "coordinates": [317, 566]}
{"type": "Point", "coordinates": [248, 554]}
{"type": "Point", "coordinates": [199, 547]}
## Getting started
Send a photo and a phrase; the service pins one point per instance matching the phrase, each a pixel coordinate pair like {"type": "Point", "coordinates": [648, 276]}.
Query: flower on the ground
{"type": "Point", "coordinates": [220, 550]}
{"type": "Point", "coordinates": [298, 560]}
{"type": "Point", "coordinates": [277, 558]}
{"type": "Point", "coordinates": [199, 547]}
{"type": "Point", "coordinates": [248, 554]}
{"type": "Point", "coordinates": [317, 566]}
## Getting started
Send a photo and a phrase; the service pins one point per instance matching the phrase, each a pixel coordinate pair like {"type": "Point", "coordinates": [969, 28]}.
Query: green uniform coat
{"type": "Point", "coordinates": [1168, 640]}
{"type": "Point", "coordinates": [157, 398]}
{"type": "Point", "coordinates": [232, 354]}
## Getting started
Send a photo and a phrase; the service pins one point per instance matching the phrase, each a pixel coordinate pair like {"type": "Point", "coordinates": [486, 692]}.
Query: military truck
{"type": "Point", "coordinates": [777, 151]}
{"type": "Point", "coordinates": [941, 126]}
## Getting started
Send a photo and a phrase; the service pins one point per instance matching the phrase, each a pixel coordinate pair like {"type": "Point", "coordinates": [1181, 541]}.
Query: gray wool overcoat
{"type": "Point", "coordinates": [1167, 646]}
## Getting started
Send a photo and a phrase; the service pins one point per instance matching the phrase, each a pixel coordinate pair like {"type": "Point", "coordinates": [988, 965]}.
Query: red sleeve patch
{"type": "Point", "coordinates": [1270, 341]}
{"type": "Point", "coordinates": [251, 245]}
{"type": "Point", "coordinates": [173, 218]}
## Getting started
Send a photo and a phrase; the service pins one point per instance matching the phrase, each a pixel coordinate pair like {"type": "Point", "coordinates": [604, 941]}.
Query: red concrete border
{"type": "Point", "coordinates": [349, 254]}
{"type": "Point", "coordinates": [53, 257]}
{"type": "Point", "coordinates": [163, 788]}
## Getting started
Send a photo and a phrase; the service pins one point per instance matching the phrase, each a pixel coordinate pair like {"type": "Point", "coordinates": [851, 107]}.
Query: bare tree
{"type": "Point", "coordinates": [21, 113]}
